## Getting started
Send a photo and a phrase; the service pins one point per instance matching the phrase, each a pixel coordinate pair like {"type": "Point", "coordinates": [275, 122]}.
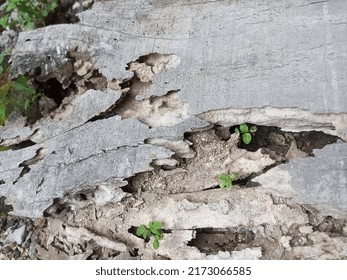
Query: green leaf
{"type": "Point", "coordinates": [51, 6]}
{"type": "Point", "coordinates": [230, 178]}
{"type": "Point", "coordinates": [156, 225]}
{"type": "Point", "coordinates": [4, 21]}
{"type": "Point", "coordinates": [22, 84]}
{"type": "Point", "coordinates": [1, 69]}
{"type": "Point", "coordinates": [2, 110]}
{"type": "Point", "coordinates": [155, 243]}
{"type": "Point", "coordinates": [160, 234]}
{"type": "Point", "coordinates": [246, 137]}
{"type": "Point", "coordinates": [30, 90]}
{"type": "Point", "coordinates": [223, 177]}
{"type": "Point", "coordinates": [11, 5]}
{"type": "Point", "coordinates": [139, 230]}
{"type": "Point", "coordinates": [28, 25]}
{"type": "Point", "coordinates": [253, 128]}
{"type": "Point", "coordinates": [35, 97]}
{"type": "Point", "coordinates": [29, 12]}
{"type": "Point", "coordinates": [18, 86]}
{"type": "Point", "coordinates": [237, 131]}
{"type": "Point", "coordinates": [154, 228]}
{"type": "Point", "coordinates": [142, 231]}
{"type": "Point", "coordinates": [224, 181]}
{"type": "Point", "coordinates": [244, 128]}
{"type": "Point", "coordinates": [157, 237]}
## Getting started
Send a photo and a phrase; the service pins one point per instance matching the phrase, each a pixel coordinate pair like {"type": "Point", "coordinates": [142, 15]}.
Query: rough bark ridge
{"type": "Point", "coordinates": [139, 98]}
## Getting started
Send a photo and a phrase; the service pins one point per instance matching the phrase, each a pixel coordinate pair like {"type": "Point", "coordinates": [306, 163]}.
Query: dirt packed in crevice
{"type": "Point", "coordinates": [216, 151]}
{"type": "Point", "coordinates": [213, 151]}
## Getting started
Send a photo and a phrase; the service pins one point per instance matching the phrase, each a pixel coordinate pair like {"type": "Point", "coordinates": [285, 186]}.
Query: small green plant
{"type": "Point", "coordinates": [246, 132]}
{"type": "Point", "coordinates": [226, 180]}
{"type": "Point", "coordinates": [16, 95]}
{"type": "Point", "coordinates": [29, 13]}
{"type": "Point", "coordinates": [155, 229]}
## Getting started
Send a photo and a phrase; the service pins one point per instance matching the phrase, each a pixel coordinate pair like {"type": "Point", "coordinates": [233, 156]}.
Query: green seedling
{"type": "Point", "coordinates": [226, 180]}
{"type": "Point", "coordinates": [16, 95]}
{"type": "Point", "coordinates": [246, 132]}
{"type": "Point", "coordinates": [154, 229]}
{"type": "Point", "coordinates": [26, 14]}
